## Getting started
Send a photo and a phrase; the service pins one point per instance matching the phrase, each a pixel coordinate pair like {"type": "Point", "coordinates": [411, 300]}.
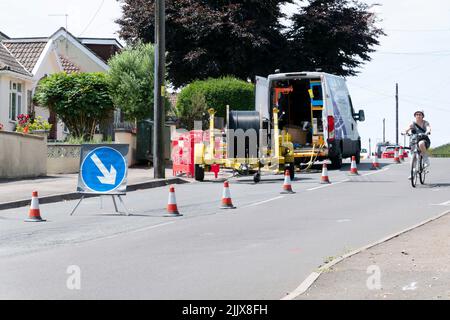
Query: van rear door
{"type": "Point", "coordinates": [262, 97]}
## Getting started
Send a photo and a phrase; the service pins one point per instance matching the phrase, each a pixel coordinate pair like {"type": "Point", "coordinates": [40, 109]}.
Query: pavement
{"type": "Point", "coordinates": [414, 265]}
{"type": "Point", "coordinates": [262, 250]}
{"type": "Point", "coordinates": [16, 193]}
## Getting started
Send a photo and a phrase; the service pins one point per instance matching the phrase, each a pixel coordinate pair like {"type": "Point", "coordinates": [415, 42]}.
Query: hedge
{"type": "Point", "coordinates": [218, 93]}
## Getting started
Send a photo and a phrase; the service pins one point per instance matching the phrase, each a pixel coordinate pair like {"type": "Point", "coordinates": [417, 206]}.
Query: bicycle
{"type": "Point", "coordinates": [418, 170]}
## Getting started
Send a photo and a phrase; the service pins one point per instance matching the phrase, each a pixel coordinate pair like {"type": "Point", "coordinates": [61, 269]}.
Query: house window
{"type": "Point", "coordinates": [15, 100]}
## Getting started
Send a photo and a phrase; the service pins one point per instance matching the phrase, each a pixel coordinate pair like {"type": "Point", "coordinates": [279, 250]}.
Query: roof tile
{"type": "Point", "coordinates": [8, 62]}
{"type": "Point", "coordinates": [27, 53]}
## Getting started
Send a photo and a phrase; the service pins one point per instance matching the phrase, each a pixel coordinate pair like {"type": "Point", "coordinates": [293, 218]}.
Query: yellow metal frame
{"type": "Point", "coordinates": [284, 151]}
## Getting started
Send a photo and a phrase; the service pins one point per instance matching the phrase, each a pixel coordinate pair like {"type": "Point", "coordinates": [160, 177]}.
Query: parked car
{"type": "Point", "coordinates": [389, 152]}
{"type": "Point", "coordinates": [364, 154]}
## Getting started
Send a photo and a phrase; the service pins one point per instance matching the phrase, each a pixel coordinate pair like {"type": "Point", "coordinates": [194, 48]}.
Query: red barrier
{"type": "Point", "coordinates": [183, 151]}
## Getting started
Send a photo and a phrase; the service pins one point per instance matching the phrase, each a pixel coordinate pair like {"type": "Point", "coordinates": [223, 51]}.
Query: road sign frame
{"type": "Point", "coordinates": [87, 150]}
{"type": "Point", "coordinates": [120, 188]}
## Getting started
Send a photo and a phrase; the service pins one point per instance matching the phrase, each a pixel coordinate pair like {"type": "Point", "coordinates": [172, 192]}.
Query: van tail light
{"type": "Point", "coordinates": [330, 128]}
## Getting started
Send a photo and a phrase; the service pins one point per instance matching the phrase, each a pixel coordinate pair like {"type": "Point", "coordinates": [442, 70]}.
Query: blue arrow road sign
{"type": "Point", "coordinates": [102, 170]}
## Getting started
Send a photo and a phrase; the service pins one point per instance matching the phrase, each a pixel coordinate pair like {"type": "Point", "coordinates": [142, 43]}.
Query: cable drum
{"type": "Point", "coordinates": [243, 134]}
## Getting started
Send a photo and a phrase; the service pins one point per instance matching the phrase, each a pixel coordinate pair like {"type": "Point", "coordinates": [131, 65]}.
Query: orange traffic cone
{"type": "Point", "coordinates": [226, 197]}
{"type": "Point", "coordinates": [287, 188]}
{"type": "Point", "coordinates": [396, 157]}
{"type": "Point", "coordinates": [353, 168]}
{"type": "Point", "coordinates": [172, 209]}
{"type": "Point", "coordinates": [375, 163]}
{"type": "Point", "coordinates": [324, 179]}
{"type": "Point", "coordinates": [34, 214]}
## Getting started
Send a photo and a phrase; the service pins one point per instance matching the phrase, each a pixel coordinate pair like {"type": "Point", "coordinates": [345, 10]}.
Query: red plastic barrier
{"type": "Point", "coordinates": [183, 152]}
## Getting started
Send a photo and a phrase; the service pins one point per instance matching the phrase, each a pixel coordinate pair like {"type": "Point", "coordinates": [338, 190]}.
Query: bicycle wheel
{"type": "Point", "coordinates": [422, 171]}
{"type": "Point", "coordinates": [414, 171]}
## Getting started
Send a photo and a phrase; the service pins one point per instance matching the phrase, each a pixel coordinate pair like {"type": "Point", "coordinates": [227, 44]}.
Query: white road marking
{"type": "Point", "coordinates": [347, 180]}
{"type": "Point", "coordinates": [344, 220]}
{"type": "Point", "coordinates": [375, 172]}
{"type": "Point", "coordinates": [124, 233]}
{"type": "Point", "coordinates": [328, 185]}
{"type": "Point", "coordinates": [261, 202]}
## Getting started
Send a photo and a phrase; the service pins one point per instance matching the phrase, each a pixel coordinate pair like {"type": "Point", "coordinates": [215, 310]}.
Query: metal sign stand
{"type": "Point", "coordinates": [103, 171]}
{"type": "Point", "coordinates": [114, 201]}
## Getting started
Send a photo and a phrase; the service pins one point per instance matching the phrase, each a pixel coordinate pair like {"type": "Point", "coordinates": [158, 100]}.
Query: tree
{"type": "Point", "coordinates": [334, 35]}
{"type": "Point", "coordinates": [80, 100]}
{"type": "Point", "coordinates": [131, 79]}
{"type": "Point", "coordinates": [211, 38]}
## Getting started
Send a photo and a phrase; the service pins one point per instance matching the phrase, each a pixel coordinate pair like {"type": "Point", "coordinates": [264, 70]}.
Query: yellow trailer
{"type": "Point", "coordinates": [277, 156]}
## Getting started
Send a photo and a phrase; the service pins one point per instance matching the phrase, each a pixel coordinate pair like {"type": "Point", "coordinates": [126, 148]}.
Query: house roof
{"type": "Point", "coordinates": [3, 36]}
{"type": "Point", "coordinates": [68, 66]}
{"type": "Point", "coordinates": [76, 40]}
{"type": "Point", "coordinates": [27, 51]}
{"type": "Point", "coordinates": [8, 62]}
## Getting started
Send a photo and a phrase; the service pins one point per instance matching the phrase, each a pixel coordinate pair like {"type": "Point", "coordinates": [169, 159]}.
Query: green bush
{"type": "Point", "coordinates": [81, 100]}
{"type": "Point", "coordinates": [217, 93]}
{"type": "Point", "coordinates": [441, 151]}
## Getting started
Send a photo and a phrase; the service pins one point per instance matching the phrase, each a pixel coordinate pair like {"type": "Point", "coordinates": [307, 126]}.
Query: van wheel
{"type": "Point", "coordinates": [257, 177]}
{"type": "Point", "coordinates": [336, 163]}
{"type": "Point", "coordinates": [358, 157]}
{"type": "Point", "coordinates": [199, 173]}
{"type": "Point", "coordinates": [291, 169]}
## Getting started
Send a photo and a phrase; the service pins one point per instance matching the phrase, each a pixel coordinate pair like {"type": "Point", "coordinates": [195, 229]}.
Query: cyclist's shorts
{"type": "Point", "coordinates": [427, 141]}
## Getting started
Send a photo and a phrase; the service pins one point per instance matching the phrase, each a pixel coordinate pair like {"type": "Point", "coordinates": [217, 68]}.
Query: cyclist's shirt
{"type": "Point", "coordinates": [420, 129]}
{"type": "Point", "coordinates": [423, 129]}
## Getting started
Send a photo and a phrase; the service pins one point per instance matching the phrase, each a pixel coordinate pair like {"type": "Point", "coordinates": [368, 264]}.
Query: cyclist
{"type": "Point", "coordinates": [421, 126]}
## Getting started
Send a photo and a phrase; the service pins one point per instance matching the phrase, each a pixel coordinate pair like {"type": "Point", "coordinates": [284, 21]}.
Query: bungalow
{"type": "Point", "coordinates": [25, 61]}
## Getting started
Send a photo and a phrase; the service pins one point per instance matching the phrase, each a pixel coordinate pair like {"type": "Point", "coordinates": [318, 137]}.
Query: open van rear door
{"type": "Point", "coordinates": [262, 97]}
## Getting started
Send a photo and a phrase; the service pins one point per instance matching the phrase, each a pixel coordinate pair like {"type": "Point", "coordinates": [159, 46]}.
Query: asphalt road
{"type": "Point", "coordinates": [262, 250]}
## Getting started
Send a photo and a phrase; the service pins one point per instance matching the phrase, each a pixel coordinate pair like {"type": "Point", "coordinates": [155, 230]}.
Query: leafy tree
{"type": "Point", "coordinates": [211, 38]}
{"type": "Point", "coordinates": [244, 38]}
{"type": "Point", "coordinates": [81, 100]}
{"type": "Point", "coordinates": [131, 79]}
{"type": "Point", "coordinates": [334, 35]}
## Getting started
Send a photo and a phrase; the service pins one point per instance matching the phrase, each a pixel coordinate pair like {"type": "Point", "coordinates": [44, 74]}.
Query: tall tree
{"type": "Point", "coordinates": [211, 38]}
{"type": "Point", "coordinates": [130, 79]}
{"type": "Point", "coordinates": [334, 35]}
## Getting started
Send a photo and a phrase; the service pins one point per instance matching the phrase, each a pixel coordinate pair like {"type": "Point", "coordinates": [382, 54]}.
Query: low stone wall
{"type": "Point", "coordinates": [22, 155]}
{"type": "Point", "coordinates": [63, 158]}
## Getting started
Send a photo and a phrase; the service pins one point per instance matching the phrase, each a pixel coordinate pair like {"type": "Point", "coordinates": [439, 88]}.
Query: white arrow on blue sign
{"type": "Point", "coordinates": [102, 170]}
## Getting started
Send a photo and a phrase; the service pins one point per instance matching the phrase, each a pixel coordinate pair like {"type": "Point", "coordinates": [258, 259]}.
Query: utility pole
{"type": "Point", "coordinates": [384, 130]}
{"type": "Point", "coordinates": [159, 90]}
{"type": "Point", "coordinates": [370, 147]}
{"type": "Point", "coordinates": [396, 113]}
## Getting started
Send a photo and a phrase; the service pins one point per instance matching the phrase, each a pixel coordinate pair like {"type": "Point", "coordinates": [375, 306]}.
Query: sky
{"type": "Point", "coordinates": [415, 53]}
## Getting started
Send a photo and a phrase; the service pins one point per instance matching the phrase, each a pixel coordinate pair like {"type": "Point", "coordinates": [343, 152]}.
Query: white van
{"type": "Point", "coordinates": [316, 109]}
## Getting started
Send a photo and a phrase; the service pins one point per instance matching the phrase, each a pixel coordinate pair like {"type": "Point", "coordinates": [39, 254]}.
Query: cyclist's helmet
{"type": "Point", "coordinates": [419, 111]}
